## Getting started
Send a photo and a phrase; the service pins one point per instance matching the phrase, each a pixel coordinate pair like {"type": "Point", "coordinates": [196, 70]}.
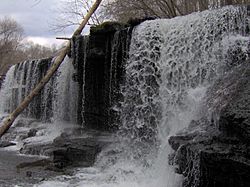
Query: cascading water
{"type": "Point", "coordinates": [65, 104]}
{"type": "Point", "coordinates": [171, 64]}
{"type": "Point", "coordinates": [58, 99]}
{"type": "Point", "coordinates": [19, 81]}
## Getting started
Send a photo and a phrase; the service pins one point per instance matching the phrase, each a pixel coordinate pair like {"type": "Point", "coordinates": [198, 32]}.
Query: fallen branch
{"type": "Point", "coordinates": [11, 118]}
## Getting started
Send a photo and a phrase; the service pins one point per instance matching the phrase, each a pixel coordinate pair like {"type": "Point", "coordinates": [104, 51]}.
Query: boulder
{"type": "Point", "coordinates": [230, 98]}
{"type": "Point", "coordinates": [216, 152]}
{"type": "Point", "coordinates": [80, 150]}
{"type": "Point", "coordinates": [78, 147]}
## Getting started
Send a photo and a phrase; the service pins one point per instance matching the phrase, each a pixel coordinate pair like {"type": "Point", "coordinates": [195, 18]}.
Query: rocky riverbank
{"type": "Point", "coordinates": [47, 151]}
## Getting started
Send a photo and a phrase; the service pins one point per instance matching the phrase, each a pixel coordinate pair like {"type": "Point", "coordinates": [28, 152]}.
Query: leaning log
{"type": "Point", "coordinates": [59, 59]}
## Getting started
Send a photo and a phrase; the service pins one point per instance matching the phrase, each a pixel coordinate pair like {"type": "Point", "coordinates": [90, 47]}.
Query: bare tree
{"type": "Point", "coordinates": [11, 34]}
{"type": "Point", "coordinates": [29, 51]}
{"type": "Point", "coordinates": [13, 49]}
{"type": "Point", "coordinates": [71, 14]}
{"type": "Point", "coordinates": [123, 10]}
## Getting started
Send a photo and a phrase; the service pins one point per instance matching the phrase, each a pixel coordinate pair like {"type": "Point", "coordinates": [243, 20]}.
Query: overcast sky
{"type": "Point", "coordinates": [36, 18]}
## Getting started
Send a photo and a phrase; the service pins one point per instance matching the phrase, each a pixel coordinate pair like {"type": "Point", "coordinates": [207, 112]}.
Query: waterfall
{"type": "Point", "coordinates": [66, 93]}
{"type": "Point", "coordinates": [6, 94]}
{"type": "Point", "coordinates": [171, 64]}
{"type": "Point", "coordinates": [80, 48]}
{"type": "Point", "coordinates": [169, 67]}
{"type": "Point", "coordinates": [20, 79]}
{"type": "Point", "coordinates": [56, 102]}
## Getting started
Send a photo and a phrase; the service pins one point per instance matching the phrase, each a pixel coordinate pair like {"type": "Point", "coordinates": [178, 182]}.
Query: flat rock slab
{"type": "Point", "coordinates": [78, 148]}
{"type": "Point", "coordinates": [16, 169]}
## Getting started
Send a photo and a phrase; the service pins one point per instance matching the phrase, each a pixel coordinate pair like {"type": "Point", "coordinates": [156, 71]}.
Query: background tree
{"type": "Point", "coordinates": [11, 34]}
{"type": "Point", "coordinates": [13, 47]}
{"type": "Point", "coordinates": [29, 50]}
{"type": "Point", "coordinates": [123, 10]}
{"type": "Point", "coordinates": [72, 11]}
{"type": "Point", "coordinates": [71, 14]}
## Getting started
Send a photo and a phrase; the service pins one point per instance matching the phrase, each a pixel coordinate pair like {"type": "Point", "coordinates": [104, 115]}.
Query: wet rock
{"type": "Point", "coordinates": [15, 169]}
{"type": "Point", "coordinates": [6, 143]}
{"type": "Point", "coordinates": [1, 80]}
{"type": "Point", "coordinates": [136, 21]}
{"type": "Point", "coordinates": [36, 163]}
{"type": "Point", "coordinates": [107, 27]}
{"type": "Point", "coordinates": [216, 164]}
{"type": "Point", "coordinates": [32, 132]}
{"type": "Point", "coordinates": [38, 148]}
{"type": "Point", "coordinates": [230, 98]}
{"type": "Point", "coordinates": [29, 174]}
{"type": "Point", "coordinates": [217, 152]}
{"type": "Point", "coordinates": [106, 54]}
{"type": "Point", "coordinates": [79, 150]}
{"type": "Point", "coordinates": [76, 147]}
{"type": "Point", "coordinates": [22, 129]}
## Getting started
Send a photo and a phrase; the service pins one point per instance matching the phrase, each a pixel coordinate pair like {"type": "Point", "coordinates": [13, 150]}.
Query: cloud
{"type": "Point", "coordinates": [46, 41]}
{"type": "Point", "coordinates": [35, 17]}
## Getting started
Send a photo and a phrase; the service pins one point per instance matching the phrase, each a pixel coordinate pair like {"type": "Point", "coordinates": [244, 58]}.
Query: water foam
{"type": "Point", "coordinates": [171, 65]}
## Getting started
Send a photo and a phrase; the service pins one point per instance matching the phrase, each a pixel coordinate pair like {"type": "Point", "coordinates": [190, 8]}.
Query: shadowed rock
{"type": "Point", "coordinates": [218, 154]}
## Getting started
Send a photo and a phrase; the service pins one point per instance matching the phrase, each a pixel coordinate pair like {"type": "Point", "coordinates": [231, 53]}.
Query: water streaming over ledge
{"type": "Point", "coordinates": [171, 64]}
{"type": "Point", "coordinates": [56, 102]}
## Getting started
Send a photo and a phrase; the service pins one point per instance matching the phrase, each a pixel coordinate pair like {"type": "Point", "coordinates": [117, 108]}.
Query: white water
{"type": "Point", "coordinates": [170, 67]}
{"type": "Point", "coordinates": [55, 107]}
{"type": "Point", "coordinates": [4, 93]}
{"type": "Point", "coordinates": [58, 100]}
{"type": "Point", "coordinates": [65, 91]}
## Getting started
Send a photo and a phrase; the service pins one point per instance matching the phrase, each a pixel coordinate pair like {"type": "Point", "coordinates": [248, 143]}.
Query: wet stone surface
{"type": "Point", "coordinates": [16, 169]}
{"type": "Point", "coordinates": [216, 153]}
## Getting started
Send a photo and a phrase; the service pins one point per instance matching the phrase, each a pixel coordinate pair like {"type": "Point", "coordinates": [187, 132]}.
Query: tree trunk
{"type": "Point", "coordinates": [11, 118]}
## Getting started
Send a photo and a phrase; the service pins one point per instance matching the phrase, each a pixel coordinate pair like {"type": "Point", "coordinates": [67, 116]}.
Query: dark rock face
{"type": "Point", "coordinates": [219, 154]}
{"type": "Point", "coordinates": [100, 60]}
{"type": "Point", "coordinates": [1, 80]}
{"type": "Point", "coordinates": [79, 150]}
{"type": "Point", "coordinates": [79, 53]}
{"type": "Point", "coordinates": [75, 151]}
